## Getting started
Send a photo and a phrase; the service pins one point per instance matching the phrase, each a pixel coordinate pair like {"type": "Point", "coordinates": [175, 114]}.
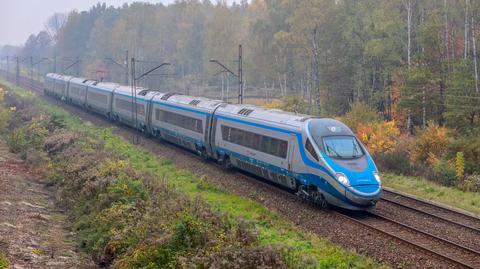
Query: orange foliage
{"type": "Point", "coordinates": [379, 137]}
{"type": "Point", "coordinates": [274, 104]}
{"type": "Point", "coordinates": [431, 144]}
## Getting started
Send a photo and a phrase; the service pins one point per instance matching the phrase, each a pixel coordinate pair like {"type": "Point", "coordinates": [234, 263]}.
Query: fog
{"type": "Point", "coordinates": [20, 18]}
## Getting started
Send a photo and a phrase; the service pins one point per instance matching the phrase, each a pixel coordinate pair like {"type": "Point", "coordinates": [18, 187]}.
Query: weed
{"type": "Point", "coordinates": [4, 263]}
{"type": "Point", "coordinates": [433, 191]}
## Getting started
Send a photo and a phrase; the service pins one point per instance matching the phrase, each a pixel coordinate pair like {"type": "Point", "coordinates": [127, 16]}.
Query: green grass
{"type": "Point", "coordinates": [273, 229]}
{"type": "Point", "coordinates": [3, 261]}
{"type": "Point", "coordinates": [421, 187]}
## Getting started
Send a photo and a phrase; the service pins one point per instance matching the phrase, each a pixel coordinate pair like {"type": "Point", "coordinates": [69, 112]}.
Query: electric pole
{"type": "Point", "coordinates": [134, 103]}
{"type": "Point", "coordinates": [78, 66]}
{"type": "Point", "coordinates": [134, 93]}
{"type": "Point", "coordinates": [17, 78]}
{"type": "Point", "coordinates": [240, 75]}
{"type": "Point", "coordinates": [31, 70]}
{"type": "Point", "coordinates": [126, 67]}
{"type": "Point", "coordinates": [8, 66]}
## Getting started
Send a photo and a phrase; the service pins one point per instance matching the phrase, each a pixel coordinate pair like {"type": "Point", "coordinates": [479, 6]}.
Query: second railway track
{"type": "Point", "coordinates": [454, 253]}
{"type": "Point", "coordinates": [447, 214]}
{"type": "Point", "coordinates": [424, 241]}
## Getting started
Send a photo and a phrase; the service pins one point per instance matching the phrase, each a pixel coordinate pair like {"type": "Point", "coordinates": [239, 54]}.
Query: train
{"type": "Point", "coordinates": [319, 159]}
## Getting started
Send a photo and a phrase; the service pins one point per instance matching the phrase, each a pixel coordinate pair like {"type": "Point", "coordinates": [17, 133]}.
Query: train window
{"type": "Point", "coordinates": [127, 105]}
{"type": "Point", "coordinates": [256, 141]}
{"type": "Point", "coordinates": [282, 148]}
{"type": "Point", "coordinates": [262, 143]}
{"type": "Point", "coordinates": [76, 90]}
{"type": "Point", "coordinates": [97, 97]}
{"type": "Point", "coordinates": [343, 147]}
{"type": "Point", "coordinates": [310, 149]}
{"type": "Point", "coordinates": [179, 120]}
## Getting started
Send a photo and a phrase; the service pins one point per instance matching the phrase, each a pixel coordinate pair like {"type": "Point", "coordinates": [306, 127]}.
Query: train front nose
{"type": "Point", "coordinates": [364, 195]}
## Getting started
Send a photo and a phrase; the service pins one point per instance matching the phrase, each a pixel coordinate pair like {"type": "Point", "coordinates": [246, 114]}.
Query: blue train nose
{"type": "Point", "coordinates": [364, 195]}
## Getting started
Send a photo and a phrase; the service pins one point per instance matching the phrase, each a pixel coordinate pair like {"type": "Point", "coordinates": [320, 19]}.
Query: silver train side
{"type": "Point", "coordinates": [319, 158]}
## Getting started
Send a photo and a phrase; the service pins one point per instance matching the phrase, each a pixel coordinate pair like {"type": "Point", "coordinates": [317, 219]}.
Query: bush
{"type": "Point", "coordinates": [430, 143]}
{"type": "Point", "coordinates": [470, 183]}
{"type": "Point", "coordinates": [470, 147]}
{"type": "Point", "coordinates": [294, 104]}
{"type": "Point", "coordinates": [379, 137]}
{"type": "Point", "coordinates": [28, 137]}
{"type": "Point", "coordinates": [397, 160]}
{"type": "Point", "coordinates": [361, 114]}
{"type": "Point", "coordinates": [459, 166]}
{"type": "Point", "coordinates": [3, 261]}
{"type": "Point", "coordinates": [444, 173]}
{"type": "Point", "coordinates": [5, 113]}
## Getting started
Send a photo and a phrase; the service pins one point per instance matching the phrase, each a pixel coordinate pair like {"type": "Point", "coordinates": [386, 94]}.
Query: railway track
{"type": "Point", "coordinates": [433, 210]}
{"type": "Point", "coordinates": [457, 254]}
{"type": "Point", "coordinates": [445, 249]}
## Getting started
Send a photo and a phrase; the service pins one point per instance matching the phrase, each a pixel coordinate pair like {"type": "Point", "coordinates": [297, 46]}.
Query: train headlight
{"type": "Point", "coordinates": [377, 178]}
{"type": "Point", "coordinates": [343, 179]}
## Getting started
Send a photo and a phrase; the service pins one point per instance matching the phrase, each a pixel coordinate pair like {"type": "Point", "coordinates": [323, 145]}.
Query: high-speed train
{"type": "Point", "coordinates": [318, 158]}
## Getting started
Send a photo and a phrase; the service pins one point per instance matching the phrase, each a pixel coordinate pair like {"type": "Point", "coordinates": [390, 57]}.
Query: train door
{"type": "Point", "coordinates": [149, 113]}
{"type": "Point", "coordinates": [210, 133]}
{"type": "Point", "coordinates": [292, 160]}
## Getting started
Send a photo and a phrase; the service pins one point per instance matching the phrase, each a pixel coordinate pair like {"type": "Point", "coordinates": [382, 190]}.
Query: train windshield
{"type": "Point", "coordinates": [343, 147]}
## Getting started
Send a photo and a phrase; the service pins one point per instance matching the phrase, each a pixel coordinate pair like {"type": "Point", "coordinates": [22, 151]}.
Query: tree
{"type": "Point", "coordinates": [462, 101]}
{"type": "Point", "coordinates": [55, 24]}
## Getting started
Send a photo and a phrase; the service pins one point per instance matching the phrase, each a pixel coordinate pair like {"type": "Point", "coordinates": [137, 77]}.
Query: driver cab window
{"type": "Point", "coordinates": [310, 149]}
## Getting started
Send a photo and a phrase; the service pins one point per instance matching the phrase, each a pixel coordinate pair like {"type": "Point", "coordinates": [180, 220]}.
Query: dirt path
{"type": "Point", "coordinates": [32, 231]}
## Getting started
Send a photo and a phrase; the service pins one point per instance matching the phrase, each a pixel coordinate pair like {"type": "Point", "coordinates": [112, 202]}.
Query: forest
{"type": "Point", "coordinates": [402, 73]}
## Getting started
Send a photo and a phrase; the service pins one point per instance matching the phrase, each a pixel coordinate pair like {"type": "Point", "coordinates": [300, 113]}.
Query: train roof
{"type": "Point", "coordinates": [277, 116]}
{"type": "Point", "coordinates": [127, 90]}
{"type": "Point", "coordinates": [108, 86]}
{"type": "Point", "coordinates": [85, 81]}
{"type": "Point", "coordinates": [273, 116]}
{"type": "Point", "coordinates": [59, 76]}
{"type": "Point", "coordinates": [198, 102]}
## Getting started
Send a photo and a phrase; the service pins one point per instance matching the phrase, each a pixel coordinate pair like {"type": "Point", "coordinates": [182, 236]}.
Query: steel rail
{"type": "Point", "coordinates": [431, 214]}
{"type": "Point", "coordinates": [446, 241]}
{"type": "Point", "coordinates": [428, 203]}
{"type": "Point", "coordinates": [436, 253]}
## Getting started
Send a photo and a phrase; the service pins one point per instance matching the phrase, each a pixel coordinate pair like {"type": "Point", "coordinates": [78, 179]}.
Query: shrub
{"type": "Point", "coordinates": [28, 137]}
{"type": "Point", "coordinates": [274, 104]}
{"type": "Point", "coordinates": [3, 261]}
{"type": "Point", "coordinates": [289, 103]}
{"type": "Point", "coordinates": [127, 191]}
{"type": "Point", "coordinates": [459, 166]}
{"type": "Point", "coordinates": [470, 147]}
{"type": "Point", "coordinates": [444, 173]}
{"type": "Point", "coordinates": [430, 143]}
{"type": "Point", "coordinates": [361, 114]}
{"type": "Point", "coordinates": [470, 183]}
{"type": "Point", "coordinates": [397, 160]}
{"type": "Point", "coordinates": [5, 113]}
{"type": "Point", "coordinates": [378, 137]}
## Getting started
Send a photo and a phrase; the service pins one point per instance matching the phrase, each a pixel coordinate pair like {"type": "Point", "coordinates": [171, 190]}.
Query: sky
{"type": "Point", "coordinates": [20, 18]}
